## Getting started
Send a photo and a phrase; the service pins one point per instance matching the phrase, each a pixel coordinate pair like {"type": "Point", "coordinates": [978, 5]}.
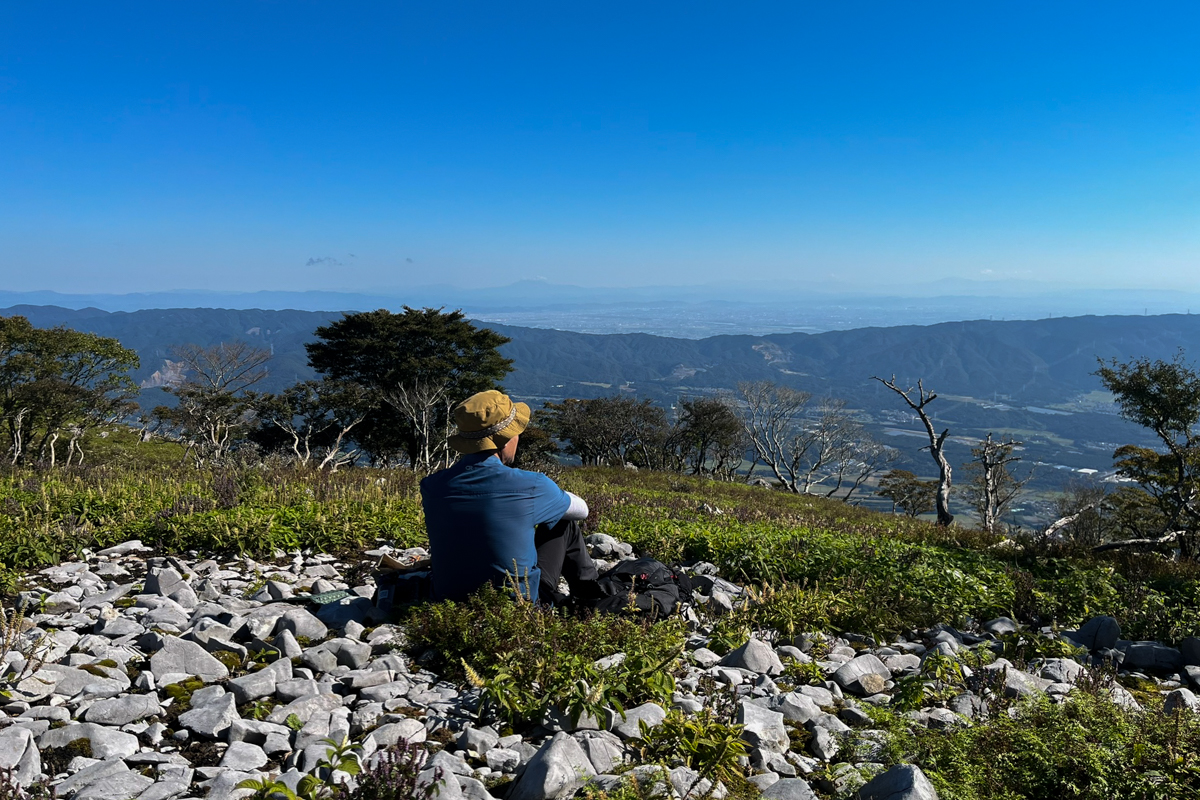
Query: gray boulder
{"type": "Point", "coordinates": [850, 676]}
{"type": "Point", "coordinates": [89, 774]}
{"type": "Point", "coordinates": [350, 609]}
{"type": "Point", "coordinates": [823, 744]}
{"type": "Point", "coordinates": [789, 789]}
{"type": "Point", "coordinates": [797, 707]}
{"type": "Point", "coordinates": [300, 622]}
{"type": "Point", "coordinates": [1061, 670]}
{"type": "Point", "coordinates": [350, 653]}
{"type": "Point", "coordinates": [558, 770]}
{"type": "Point", "coordinates": [117, 784]}
{"type": "Point", "coordinates": [1098, 633]}
{"type": "Point", "coordinates": [1181, 700]}
{"type": "Point", "coordinates": [320, 659]}
{"type": "Point", "coordinates": [122, 710]}
{"type": "Point", "coordinates": [1016, 682]}
{"type": "Point", "coordinates": [903, 664]}
{"type": "Point", "coordinates": [501, 759]}
{"type": "Point", "coordinates": [166, 582]}
{"type": "Point", "coordinates": [630, 727]}
{"type": "Point", "coordinates": [253, 686]}
{"type": "Point", "coordinates": [411, 730]}
{"type": "Point", "coordinates": [756, 656]}
{"type": "Point", "coordinates": [1152, 656]}
{"type": "Point", "coordinates": [604, 749]}
{"type": "Point", "coordinates": [212, 718]}
{"type": "Point", "coordinates": [1190, 649]}
{"type": "Point", "coordinates": [106, 742]}
{"type": "Point", "coordinates": [19, 753]}
{"type": "Point", "coordinates": [687, 782]}
{"type": "Point", "coordinates": [478, 740]}
{"type": "Point", "coordinates": [705, 658]}
{"type": "Point", "coordinates": [244, 757]}
{"type": "Point", "coordinates": [305, 708]}
{"type": "Point", "coordinates": [762, 727]}
{"type": "Point", "coordinates": [162, 581]}
{"type": "Point", "coordinates": [764, 780]}
{"type": "Point", "coordinates": [166, 788]}
{"type": "Point", "coordinates": [901, 782]}
{"type": "Point", "coordinates": [1000, 626]}
{"type": "Point", "coordinates": [179, 657]}
{"type": "Point", "coordinates": [821, 695]}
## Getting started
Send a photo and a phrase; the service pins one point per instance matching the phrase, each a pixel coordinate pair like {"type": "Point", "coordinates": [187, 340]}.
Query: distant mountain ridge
{"type": "Point", "coordinates": [1047, 361]}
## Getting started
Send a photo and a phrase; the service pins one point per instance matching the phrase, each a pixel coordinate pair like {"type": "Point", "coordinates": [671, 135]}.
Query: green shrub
{"type": "Point", "coordinates": [1085, 747]}
{"type": "Point", "coordinates": [530, 660]}
{"type": "Point", "coordinates": [701, 741]}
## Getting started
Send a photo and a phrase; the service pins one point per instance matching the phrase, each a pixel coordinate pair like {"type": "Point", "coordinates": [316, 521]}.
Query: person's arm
{"type": "Point", "coordinates": [578, 510]}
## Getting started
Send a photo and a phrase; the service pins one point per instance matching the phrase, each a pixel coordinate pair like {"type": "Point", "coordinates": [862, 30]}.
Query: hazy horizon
{"type": "Point", "coordinates": [684, 312]}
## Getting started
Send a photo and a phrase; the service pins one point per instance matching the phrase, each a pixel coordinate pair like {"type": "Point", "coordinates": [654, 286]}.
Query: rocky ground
{"type": "Point", "coordinates": [157, 677]}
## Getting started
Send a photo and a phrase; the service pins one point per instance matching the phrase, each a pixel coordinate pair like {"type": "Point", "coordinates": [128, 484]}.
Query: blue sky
{"type": "Point", "coordinates": [369, 147]}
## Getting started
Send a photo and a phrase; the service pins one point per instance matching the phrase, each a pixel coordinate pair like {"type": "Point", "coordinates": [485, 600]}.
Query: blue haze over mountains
{"type": "Point", "coordinates": [741, 306]}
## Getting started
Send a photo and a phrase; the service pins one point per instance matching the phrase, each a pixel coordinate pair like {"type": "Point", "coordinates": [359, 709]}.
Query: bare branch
{"type": "Point", "coordinates": [1124, 543]}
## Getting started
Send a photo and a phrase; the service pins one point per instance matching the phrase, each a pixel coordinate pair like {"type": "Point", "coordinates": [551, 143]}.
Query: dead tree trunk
{"type": "Point", "coordinates": [936, 444]}
{"type": "Point", "coordinates": [995, 487]}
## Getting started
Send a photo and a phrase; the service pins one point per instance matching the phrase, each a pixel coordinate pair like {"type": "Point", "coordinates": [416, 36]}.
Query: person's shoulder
{"type": "Point", "coordinates": [538, 479]}
{"type": "Point", "coordinates": [439, 477]}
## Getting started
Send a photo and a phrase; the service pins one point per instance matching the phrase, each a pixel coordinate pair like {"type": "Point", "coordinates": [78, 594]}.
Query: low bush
{"type": "Point", "coordinates": [709, 745]}
{"type": "Point", "coordinates": [530, 660]}
{"type": "Point", "coordinates": [1086, 747]}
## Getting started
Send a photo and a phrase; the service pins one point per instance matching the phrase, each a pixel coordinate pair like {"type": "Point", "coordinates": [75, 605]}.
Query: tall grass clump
{"type": "Point", "coordinates": [256, 509]}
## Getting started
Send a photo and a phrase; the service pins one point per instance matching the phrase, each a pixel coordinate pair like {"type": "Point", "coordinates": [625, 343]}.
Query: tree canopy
{"type": "Point", "coordinates": [56, 381]}
{"type": "Point", "coordinates": [1163, 396]}
{"type": "Point", "coordinates": [415, 366]}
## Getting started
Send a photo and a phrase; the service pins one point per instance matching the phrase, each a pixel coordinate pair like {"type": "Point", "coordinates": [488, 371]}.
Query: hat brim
{"type": "Point", "coordinates": [496, 440]}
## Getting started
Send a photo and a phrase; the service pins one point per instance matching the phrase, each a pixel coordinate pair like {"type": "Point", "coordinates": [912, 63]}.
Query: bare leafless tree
{"type": "Point", "coordinates": [225, 367]}
{"type": "Point", "coordinates": [425, 403]}
{"type": "Point", "coordinates": [994, 488]}
{"type": "Point", "coordinates": [829, 453]}
{"type": "Point", "coordinates": [18, 439]}
{"type": "Point", "coordinates": [317, 416]}
{"type": "Point", "coordinates": [857, 464]}
{"type": "Point", "coordinates": [213, 406]}
{"type": "Point", "coordinates": [771, 415]}
{"type": "Point", "coordinates": [937, 442]}
{"type": "Point", "coordinates": [1082, 514]}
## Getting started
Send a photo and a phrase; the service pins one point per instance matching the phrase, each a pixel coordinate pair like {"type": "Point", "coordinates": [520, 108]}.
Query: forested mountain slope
{"type": "Point", "coordinates": [1046, 361]}
{"type": "Point", "coordinates": [1039, 361]}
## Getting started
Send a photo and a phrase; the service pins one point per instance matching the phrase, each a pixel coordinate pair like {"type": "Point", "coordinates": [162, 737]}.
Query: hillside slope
{"type": "Point", "coordinates": [1047, 361]}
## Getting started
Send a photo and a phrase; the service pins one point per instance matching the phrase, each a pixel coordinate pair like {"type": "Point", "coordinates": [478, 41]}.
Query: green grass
{"type": "Point", "coordinates": [892, 573]}
{"type": "Point", "coordinates": [48, 516]}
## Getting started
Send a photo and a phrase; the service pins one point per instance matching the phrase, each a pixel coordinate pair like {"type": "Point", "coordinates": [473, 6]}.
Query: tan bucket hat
{"type": "Point", "coordinates": [487, 420]}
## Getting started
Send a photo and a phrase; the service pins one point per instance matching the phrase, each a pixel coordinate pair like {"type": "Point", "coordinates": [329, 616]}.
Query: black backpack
{"type": "Point", "coordinates": [655, 588]}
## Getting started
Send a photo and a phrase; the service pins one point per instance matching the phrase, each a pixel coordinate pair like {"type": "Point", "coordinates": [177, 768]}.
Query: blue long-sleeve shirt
{"type": "Point", "coordinates": [480, 515]}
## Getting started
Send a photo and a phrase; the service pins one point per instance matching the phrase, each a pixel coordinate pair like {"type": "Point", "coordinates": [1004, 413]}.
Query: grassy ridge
{"type": "Point", "coordinates": [49, 516]}
{"type": "Point", "coordinates": [892, 573]}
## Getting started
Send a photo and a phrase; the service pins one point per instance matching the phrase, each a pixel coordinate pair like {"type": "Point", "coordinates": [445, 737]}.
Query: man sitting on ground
{"type": "Point", "coordinates": [486, 519]}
